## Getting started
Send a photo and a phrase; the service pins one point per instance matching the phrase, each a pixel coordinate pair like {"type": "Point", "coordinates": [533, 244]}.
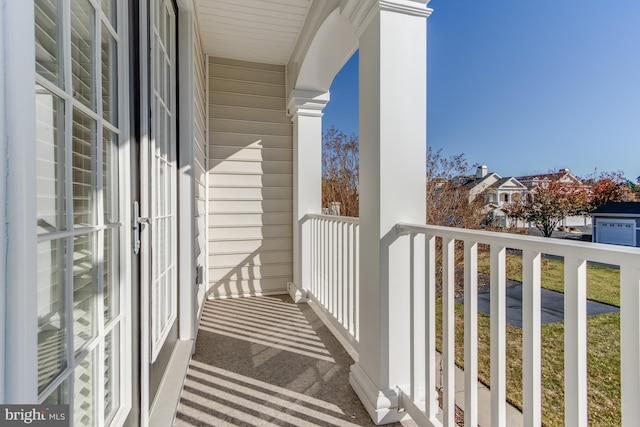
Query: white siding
{"type": "Point", "coordinates": [250, 179]}
{"type": "Point", "coordinates": [199, 163]}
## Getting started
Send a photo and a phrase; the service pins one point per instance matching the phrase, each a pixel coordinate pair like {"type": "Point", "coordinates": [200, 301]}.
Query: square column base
{"type": "Point", "coordinates": [298, 295]}
{"type": "Point", "coordinates": [382, 405]}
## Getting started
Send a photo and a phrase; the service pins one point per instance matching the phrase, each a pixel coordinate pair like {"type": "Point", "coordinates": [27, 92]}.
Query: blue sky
{"type": "Point", "coordinates": [526, 87]}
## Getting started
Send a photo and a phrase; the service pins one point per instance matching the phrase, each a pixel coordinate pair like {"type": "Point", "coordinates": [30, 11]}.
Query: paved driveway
{"type": "Point", "coordinates": [552, 303]}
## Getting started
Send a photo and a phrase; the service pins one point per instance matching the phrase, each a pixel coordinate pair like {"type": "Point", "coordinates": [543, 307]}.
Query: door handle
{"type": "Point", "coordinates": [138, 225]}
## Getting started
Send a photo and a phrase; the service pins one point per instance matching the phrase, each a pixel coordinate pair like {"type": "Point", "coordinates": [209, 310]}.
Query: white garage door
{"type": "Point", "coordinates": [619, 232]}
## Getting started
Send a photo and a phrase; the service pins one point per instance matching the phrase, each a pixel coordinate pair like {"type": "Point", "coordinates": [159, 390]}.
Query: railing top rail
{"type": "Point", "coordinates": [347, 219]}
{"type": "Point", "coordinates": [610, 254]}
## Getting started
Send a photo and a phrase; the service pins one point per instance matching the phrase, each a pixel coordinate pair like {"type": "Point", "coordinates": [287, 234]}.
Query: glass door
{"type": "Point", "coordinates": [82, 321]}
{"type": "Point", "coordinates": [162, 180]}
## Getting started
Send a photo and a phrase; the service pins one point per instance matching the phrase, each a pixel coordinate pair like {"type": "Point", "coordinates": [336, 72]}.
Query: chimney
{"type": "Point", "coordinates": [482, 172]}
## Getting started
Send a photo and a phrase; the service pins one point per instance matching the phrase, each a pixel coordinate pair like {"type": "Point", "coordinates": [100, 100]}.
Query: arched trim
{"type": "Point", "coordinates": [333, 44]}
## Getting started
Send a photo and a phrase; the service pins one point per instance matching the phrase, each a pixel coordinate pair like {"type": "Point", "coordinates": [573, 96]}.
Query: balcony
{"type": "Point", "coordinates": [267, 360]}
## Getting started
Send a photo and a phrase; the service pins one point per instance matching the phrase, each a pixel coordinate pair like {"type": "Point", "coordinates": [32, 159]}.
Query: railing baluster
{"type": "Point", "coordinates": [531, 381]}
{"type": "Point", "coordinates": [350, 279]}
{"type": "Point", "coordinates": [356, 280]}
{"type": "Point", "coordinates": [575, 342]}
{"type": "Point", "coordinates": [448, 328]}
{"type": "Point", "coordinates": [498, 321]}
{"type": "Point", "coordinates": [319, 261]}
{"type": "Point", "coordinates": [345, 275]}
{"type": "Point", "coordinates": [630, 343]}
{"type": "Point", "coordinates": [330, 265]}
{"type": "Point", "coordinates": [334, 269]}
{"type": "Point", "coordinates": [325, 264]}
{"type": "Point", "coordinates": [470, 333]}
{"type": "Point", "coordinates": [314, 258]}
{"type": "Point", "coordinates": [339, 254]}
{"type": "Point", "coordinates": [418, 308]}
{"type": "Point", "coordinates": [431, 394]}
{"type": "Point", "coordinates": [413, 348]}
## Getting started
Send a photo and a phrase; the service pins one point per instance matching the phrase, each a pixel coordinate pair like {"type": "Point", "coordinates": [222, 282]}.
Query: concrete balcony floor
{"type": "Point", "coordinates": [265, 361]}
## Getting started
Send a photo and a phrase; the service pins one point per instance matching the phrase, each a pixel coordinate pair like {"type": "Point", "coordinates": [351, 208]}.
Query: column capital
{"type": "Point", "coordinates": [361, 12]}
{"type": "Point", "coordinates": [306, 103]}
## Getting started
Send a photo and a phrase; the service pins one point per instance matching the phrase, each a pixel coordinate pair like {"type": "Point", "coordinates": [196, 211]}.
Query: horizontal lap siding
{"type": "Point", "coordinates": [250, 168]}
{"type": "Point", "coordinates": [200, 166]}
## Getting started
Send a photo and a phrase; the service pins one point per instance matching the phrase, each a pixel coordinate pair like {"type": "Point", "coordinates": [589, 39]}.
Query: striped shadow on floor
{"type": "Point", "coordinates": [265, 361]}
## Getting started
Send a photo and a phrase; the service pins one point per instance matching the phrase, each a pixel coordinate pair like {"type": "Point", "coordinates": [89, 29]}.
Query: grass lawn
{"type": "Point", "coordinates": [603, 344]}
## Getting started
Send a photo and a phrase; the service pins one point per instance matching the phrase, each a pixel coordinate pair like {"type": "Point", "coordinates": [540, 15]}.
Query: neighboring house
{"type": "Point", "coordinates": [496, 191]}
{"type": "Point", "coordinates": [564, 176]}
{"type": "Point", "coordinates": [617, 223]}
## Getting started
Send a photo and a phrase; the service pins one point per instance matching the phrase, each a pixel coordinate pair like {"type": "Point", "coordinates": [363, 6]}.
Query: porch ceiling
{"type": "Point", "coordinates": [251, 30]}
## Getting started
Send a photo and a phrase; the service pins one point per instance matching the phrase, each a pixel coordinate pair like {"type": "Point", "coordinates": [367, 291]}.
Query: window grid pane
{"type": "Point", "coordinates": [52, 347]}
{"type": "Point", "coordinates": [48, 34]}
{"type": "Point", "coordinates": [110, 181]}
{"type": "Point", "coordinates": [82, 52]}
{"type": "Point", "coordinates": [50, 161]}
{"type": "Point", "coordinates": [84, 291]}
{"type": "Point", "coordinates": [109, 9]}
{"type": "Point", "coordinates": [109, 66]}
{"type": "Point", "coordinates": [111, 374]}
{"type": "Point", "coordinates": [84, 173]}
{"type": "Point", "coordinates": [59, 396]}
{"type": "Point", "coordinates": [111, 264]}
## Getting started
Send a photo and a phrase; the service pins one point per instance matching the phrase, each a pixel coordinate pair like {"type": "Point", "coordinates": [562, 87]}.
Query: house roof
{"type": "Point", "coordinates": [499, 183]}
{"type": "Point", "coordinates": [553, 175]}
{"type": "Point", "coordinates": [618, 208]}
{"type": "Point", "coordinates": [472, 180]}
{"type": "Point", "coordinates": [564, 174]}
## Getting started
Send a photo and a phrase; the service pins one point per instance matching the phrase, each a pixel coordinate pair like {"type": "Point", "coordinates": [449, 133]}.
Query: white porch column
{"type": "Point", "coordinates": [305, 108]}
{"type": "Point", "coordinates": [393, 79]}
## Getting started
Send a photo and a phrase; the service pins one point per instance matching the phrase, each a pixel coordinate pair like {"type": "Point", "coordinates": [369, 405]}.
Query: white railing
{"type": "Point", "coordinates": [421, 399]}
{"type": "Point", "coordinates": [334, 274]}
